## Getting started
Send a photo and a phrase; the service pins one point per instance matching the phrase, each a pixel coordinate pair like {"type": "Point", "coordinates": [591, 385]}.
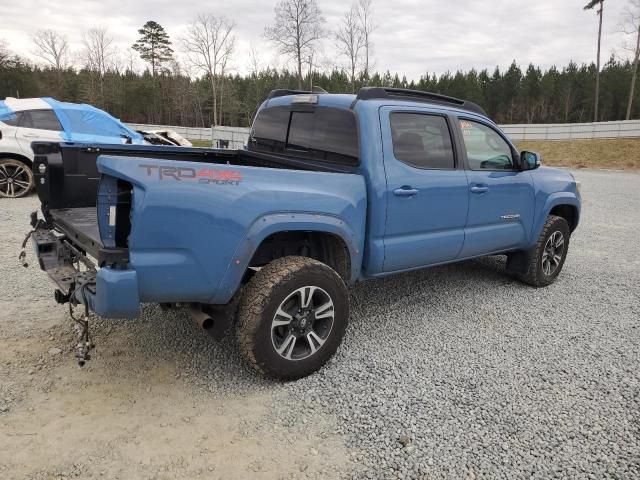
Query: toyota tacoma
{"type": "Point", "coordinates": [331, 189]}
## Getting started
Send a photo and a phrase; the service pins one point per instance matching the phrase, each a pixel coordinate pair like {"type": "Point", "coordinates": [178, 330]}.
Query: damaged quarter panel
{"type": "Point", "coordinates": [197, 247]}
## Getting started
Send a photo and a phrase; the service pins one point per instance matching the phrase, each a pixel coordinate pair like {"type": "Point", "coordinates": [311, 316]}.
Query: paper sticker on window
{"type": "Point", "coordinates": [112, 216]}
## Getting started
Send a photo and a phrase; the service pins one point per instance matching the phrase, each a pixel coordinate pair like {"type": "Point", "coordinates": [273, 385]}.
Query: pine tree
{"type": "Point", "coordinates": [154, 45]}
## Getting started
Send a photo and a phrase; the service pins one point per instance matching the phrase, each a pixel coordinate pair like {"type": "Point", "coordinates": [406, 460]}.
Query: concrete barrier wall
{"type": "Point", "coordinates": [571, 131]}
{"type": "Point", "coordinates": [230, 137]}
{"type": "Point", "coordinates": [236, 137]}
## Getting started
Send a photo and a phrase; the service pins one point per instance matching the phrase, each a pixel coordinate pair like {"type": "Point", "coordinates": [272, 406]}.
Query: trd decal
{"type": "Point", "coordinates": [200, 175]}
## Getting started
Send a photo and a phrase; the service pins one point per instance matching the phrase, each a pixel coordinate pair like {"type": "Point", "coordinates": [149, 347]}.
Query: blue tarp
{"type": "Point", "coordinates": [5, 112]}
{"type": "Point", "coordinates": [84, 123]}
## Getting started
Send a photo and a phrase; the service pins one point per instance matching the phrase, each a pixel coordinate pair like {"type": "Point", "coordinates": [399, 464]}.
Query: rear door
{"type": "Point", "coordinates": [427, 192]}
{"type": "Point", "coordinates": [38, 125]}
{"type": "Point", "coordinates": [501, 200]}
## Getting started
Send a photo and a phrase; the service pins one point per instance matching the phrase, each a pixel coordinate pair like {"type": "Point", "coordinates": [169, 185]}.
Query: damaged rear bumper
{"type": "Point", "coordinates": [109, 292]}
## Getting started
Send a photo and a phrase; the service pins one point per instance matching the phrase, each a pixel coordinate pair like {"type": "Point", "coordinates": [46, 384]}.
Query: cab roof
{"type": "Point", "coordinates": [385, 95]}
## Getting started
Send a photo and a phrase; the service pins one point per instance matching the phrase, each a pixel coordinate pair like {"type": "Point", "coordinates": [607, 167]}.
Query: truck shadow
{"type": "Point", "coordinates": [171, 337]}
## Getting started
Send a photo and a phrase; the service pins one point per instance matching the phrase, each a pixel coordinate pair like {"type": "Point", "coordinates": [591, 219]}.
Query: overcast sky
{"type": "Point", "coordinates": [413, 36]}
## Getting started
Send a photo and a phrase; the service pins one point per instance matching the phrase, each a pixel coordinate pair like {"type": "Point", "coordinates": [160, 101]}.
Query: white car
{"type": "Point", "coordinates": [23, 121]}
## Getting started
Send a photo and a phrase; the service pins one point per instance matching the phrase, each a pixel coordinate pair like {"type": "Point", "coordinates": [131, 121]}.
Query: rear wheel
{"type": "Point", "coordinates": [16, 178]}
{"type": "Point", "coordinates": [292, 317]}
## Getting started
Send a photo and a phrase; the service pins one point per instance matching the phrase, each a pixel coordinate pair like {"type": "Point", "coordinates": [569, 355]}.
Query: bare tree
{"type": "Point", "coordinates": [98, 52]}
{"type": "Point", "coordinates": [255, 65]}
{"type": "Point", "coordinates": [590, 6]}
{"type": "Point", "coordinates": [98, 49]}
{"type": "Point", "coordinates": [297, 30]}
{"type": "Point", "coordinates": [631, 26]}
{"type": "Point", "coordinates": [208, 45]}
{"type": "Point", "coordinates": [52, 48]}
{"type": "Point", "coordinates": [367, 27]}
{"type": "Point", "coordinates": [131, 60]}
{"type": "Point", "coordinates": [4, 52]}
{"type": "Point", "coordinates": [350, 41]}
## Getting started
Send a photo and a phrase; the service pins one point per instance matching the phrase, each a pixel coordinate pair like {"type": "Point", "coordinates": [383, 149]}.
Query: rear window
{"type": "Point", "coordinates": [324, 133]}
{"type": "Point", "coordinates": [41, 120]}
{"type": "Point", "coordinates": [269, 132]}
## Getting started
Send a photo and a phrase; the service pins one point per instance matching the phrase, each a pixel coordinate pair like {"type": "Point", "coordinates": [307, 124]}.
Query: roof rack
{"type": "Point", "coordinates": [369, 93]}
{"type": "Point", "coordinates": [281, 92]}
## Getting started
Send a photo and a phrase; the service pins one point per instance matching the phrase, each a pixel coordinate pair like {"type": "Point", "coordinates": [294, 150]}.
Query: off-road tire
{"type": "Point", "coordinates": [261, 298]}
{"type": "Point", "coordinates": [533, 273]}
{"type": "Point", "coordinates": [11, 164]}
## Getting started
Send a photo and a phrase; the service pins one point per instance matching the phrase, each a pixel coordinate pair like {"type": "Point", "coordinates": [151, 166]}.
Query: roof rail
{"type": "Point", "coordinates": [281, 92]}
{"type": "Point", "coordinates": [369, 93]}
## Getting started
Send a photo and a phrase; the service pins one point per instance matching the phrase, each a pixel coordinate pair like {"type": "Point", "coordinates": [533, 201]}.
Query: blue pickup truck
{"type": "Point", "coordinates": [331, 189]}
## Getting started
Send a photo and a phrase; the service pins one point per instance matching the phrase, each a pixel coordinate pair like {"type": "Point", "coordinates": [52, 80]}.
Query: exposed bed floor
{"type": "Point", "coordinates": [79, 221]}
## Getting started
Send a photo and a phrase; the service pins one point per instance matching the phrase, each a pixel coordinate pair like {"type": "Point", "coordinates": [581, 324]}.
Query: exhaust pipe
{"type": "Point", "coordinates": [203, 320]}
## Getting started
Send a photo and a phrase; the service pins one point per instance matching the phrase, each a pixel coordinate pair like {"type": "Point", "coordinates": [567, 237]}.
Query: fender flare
{"type": "Point", "coordinates": [271, 223]}
{"type": "Point", "coordinates": [553, 200]}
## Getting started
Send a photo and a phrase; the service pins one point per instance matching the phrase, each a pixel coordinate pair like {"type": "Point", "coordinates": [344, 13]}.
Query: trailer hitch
{"type": "Point", "coordinates": [62, 261]}
{"type": "Point", "coordinates": [76, 297]}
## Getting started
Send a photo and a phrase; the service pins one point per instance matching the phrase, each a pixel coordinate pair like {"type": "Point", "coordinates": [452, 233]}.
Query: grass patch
{"type": "Point", "coordinates": [201, 143]}
{"type": "Point", "coordinates": [618, 154]}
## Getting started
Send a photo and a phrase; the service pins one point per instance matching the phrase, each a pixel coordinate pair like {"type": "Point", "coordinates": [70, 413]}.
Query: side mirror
{"type": "Point", "coordinates": [530, 160]}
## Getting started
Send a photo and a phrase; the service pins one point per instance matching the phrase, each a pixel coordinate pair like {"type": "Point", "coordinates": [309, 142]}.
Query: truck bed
{"type": "Point", "coordinates": [80, 224]}
{"type": "Point", "coordinates": [67, 178]}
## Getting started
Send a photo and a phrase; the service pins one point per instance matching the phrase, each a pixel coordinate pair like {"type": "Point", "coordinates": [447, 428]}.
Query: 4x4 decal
{"type": "Point", "coordinates": [200, 175]}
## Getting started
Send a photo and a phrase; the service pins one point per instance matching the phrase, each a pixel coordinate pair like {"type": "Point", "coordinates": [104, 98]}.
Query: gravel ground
{"type": "Point", "coordinates": [457, 372]}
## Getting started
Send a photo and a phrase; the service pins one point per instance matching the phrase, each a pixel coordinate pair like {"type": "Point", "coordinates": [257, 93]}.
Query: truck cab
{"type": "Point", "coordinates": [444, 183]}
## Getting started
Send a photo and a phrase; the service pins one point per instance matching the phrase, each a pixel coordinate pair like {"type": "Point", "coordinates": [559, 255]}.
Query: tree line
{"type": "Point", "coordinates": [199, 88]}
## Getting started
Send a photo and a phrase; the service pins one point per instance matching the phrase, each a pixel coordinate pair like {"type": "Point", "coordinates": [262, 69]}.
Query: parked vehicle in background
{"type": "Point", "coordinates": [23, 121]}
{"type": "Point", "coordinates": [165, 137]}
{"type": "Point", "coordinates": [332, 189]}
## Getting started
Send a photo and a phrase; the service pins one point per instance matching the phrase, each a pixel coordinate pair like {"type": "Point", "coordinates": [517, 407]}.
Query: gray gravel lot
{"type": "Point", "coordinates": [458, 372]}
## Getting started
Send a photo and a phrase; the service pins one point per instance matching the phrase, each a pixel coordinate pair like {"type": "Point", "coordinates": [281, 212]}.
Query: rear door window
{"type": "Point", "coordinates": [11, 118]}
{"type": "Point", "coordinates": [422, 140]}
{"type": "Point", "coordinates": [40, 120]}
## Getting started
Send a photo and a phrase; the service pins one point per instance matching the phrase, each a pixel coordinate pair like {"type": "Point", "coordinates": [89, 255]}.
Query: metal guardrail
{"type": "Point", "coordinates": [236, 137]}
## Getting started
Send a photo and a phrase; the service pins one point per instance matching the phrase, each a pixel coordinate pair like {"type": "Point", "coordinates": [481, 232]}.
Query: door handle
{"type": "Point", "coordinates": [479, 189]}
{"type": "Point", "coordinates": [405, 192]}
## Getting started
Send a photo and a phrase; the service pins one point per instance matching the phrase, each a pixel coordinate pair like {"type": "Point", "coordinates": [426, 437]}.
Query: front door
{"type": "Point", "coordinates": [502, 199]}
{"type": "Point", "coordinates": [427, 192]}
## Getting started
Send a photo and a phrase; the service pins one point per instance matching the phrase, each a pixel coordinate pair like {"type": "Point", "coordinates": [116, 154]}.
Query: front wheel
{"type": "Point", "coordinates": [546, 259]}
{"type": "Point", "coordinates": [16, 178]}
{"type": "Point", "coordinates": [292, 317]}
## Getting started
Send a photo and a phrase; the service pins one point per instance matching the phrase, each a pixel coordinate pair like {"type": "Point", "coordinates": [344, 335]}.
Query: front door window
{"type": "Point", "coordinates": [486, 149]}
